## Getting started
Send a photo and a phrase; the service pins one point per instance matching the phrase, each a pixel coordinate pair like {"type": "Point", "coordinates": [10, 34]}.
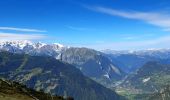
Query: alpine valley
{"type": "Point", "coordinates": [87, 74]}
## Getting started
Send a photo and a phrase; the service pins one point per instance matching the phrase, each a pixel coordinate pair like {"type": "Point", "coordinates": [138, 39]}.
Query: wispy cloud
{"type": "Point", "coordinates": [76, 28]}
{"type": "Point", "coordinates": [22, 29]}
{"type": "Point", "coordinates": [155, 18]}
{"type": "Point", "coordinates": [136, 37]}
{"type": "Point", "coordinates": [130, 38]}
{"type": "Point", "coordinates": [15, 36]}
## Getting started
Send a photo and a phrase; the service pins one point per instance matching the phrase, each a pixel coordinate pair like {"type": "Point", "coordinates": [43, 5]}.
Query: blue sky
{"type": "Point", "coordinates": [98, 24]}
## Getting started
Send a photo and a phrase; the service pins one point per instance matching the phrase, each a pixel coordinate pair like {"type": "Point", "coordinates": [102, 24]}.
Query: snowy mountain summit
{"type": "Point", "coordinates": [158, 53]}
{"type": "Point", "coordinates": [25, 43]}
{"type": "Point", "coordinates": [32, 48]}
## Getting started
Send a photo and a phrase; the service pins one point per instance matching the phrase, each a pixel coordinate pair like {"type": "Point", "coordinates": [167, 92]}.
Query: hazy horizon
{"type": "Point", "coordinates": [96, 24]}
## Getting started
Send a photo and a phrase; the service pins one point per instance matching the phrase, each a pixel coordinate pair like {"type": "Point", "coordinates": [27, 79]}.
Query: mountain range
{"type": "Point", "coordinates": [134, 74]}
{"type": "Point", "coordinates": [91, 63]}
{"type": "Point", "coordinates": [52, 76]}
{"type": "Point", "coordinates": [130, 61]}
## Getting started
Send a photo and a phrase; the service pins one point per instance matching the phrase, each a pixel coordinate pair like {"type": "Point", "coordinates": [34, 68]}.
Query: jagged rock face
{"type": "Point", "coordinates": [52, 76]}
{"type": "Point", "coordinates": [92, 63]}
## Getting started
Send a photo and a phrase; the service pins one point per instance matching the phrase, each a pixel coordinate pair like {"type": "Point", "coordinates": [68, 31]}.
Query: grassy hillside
{"type": "Point", "coordinates": [14, 91]}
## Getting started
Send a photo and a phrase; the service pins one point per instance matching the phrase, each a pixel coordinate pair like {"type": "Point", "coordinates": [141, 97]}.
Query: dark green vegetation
{"type": "Point", "coordinates": [14, 91]}
{"type": "Point", "coordinates": [163, 94]}
{"type": "Point", "coordinates": [52, 76]}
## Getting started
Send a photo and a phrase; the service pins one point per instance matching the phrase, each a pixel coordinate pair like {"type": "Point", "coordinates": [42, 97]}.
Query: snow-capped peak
{"type": "Point", "coordinates": [59, 45]}
{"type": "Point", "coordinates": [32, 48]}
{"type": "Point", "coordinates": [18, 44]}
{"type": "Point", "coordinates": [39, 44]}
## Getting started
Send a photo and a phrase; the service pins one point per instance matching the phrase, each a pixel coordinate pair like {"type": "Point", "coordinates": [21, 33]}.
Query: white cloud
{"type": "Point", "coordinates": [15, 36]}
{"type": "Point", "coordinates": [21, 29]}
{"type": "Point", "coordinates": [155, 18]}
{"type": "Point", "coordinates": [130, 38]}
